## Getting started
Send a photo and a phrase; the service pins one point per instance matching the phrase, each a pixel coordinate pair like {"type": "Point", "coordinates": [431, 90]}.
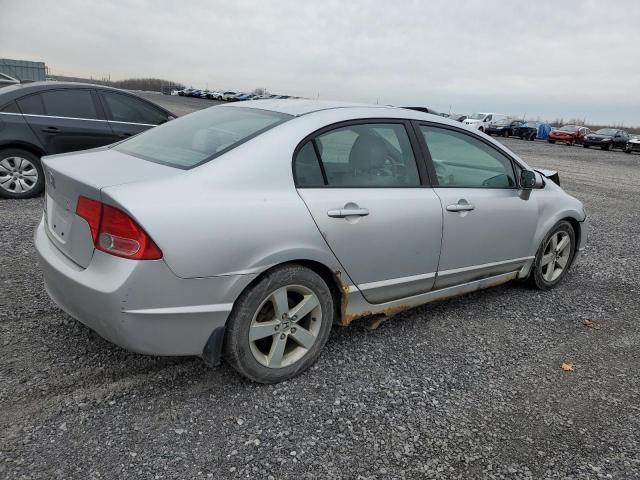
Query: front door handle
{"type": "Point", "coordinates": [348, 212]}
{"type": "Point", "coordinates": [460, 207]}
{"type": "Point", "coordinates": [51, 129]}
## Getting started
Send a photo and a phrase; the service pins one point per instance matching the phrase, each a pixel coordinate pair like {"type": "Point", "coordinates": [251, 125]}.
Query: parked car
{"type": "Point", "coordinates": [569, 134]}
{"type": "Point", "coordinates": [216, 95]}
{"type": "Point", "coordinates": [504, 127]}
{"type": "Point", "coordinates": [458, 117]}
{"type": "Point", "coordinates": [482, 120]}
{"type": "Point", "coordinates": [633, 145]}
{"type": "Point", "coordinates": [527, 131]}
{"type": "Point", "coordinates": [47, 118]}
{"type": "Point", "coordinates": [206, 273]}
{"type": "Point", "coordinates": [186, 92]}
{"type": "Point", "coordinates": [228, 95]}
{"type": "Point", "coordinates": [243, 97]}
{"type": "Point", "coordinates": [6, 80]}
{"type": "Point", "coordinates": [607, 139]}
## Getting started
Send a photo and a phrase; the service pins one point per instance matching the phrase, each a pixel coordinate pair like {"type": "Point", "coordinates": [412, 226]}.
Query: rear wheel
{"type": "Point", "coordinates": [554, 256]}
{"type": "Point", "coordinates": [279, 326]}
{"type": "Point", "coordinates": [585, 145]}
{"type": "Point", "coordinates": [21, 174]}
{"type": "Point", "coordinates": [551, 141]}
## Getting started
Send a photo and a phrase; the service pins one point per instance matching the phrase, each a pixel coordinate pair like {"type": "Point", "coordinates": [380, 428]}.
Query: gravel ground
{"type": "Point", "coordinates": [466, 388]}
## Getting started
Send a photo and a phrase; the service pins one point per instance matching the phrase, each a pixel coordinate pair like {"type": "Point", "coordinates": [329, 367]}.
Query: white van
{"type": "Point", "coordinates": [482, 120]}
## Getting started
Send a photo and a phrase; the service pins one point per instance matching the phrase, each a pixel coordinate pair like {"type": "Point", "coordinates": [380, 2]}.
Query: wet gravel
{"type": "Point", "coordinates": [467, 388]}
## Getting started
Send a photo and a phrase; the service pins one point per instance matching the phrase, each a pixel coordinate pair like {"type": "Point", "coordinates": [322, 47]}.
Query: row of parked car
{"type": "Point", "coordinates": [603, 138]}
{"type": "Point", "coordinates": [225, 95]}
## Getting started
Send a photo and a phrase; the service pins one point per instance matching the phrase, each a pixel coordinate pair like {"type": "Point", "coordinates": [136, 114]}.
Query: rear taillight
{"type": "Point", "coordinates": [115, 232]}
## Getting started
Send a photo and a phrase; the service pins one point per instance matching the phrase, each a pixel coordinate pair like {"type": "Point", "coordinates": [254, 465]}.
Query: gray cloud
{"type": "Point", "coordinates": [544, 58]}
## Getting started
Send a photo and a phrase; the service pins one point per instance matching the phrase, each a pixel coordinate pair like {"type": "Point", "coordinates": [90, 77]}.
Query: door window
{"type": "Point", "coordinates": [69, 103]}
{"type": "Point", "coordinates": [31, 105]}
{"type": "Point", "coordinates": [463, 161]}
{"type": "Point", "coordinates": [368, 155]}
{"type": "Point", "coordinates": [307, 169]}
{"type": "Point", "coordinates": [129, 109]}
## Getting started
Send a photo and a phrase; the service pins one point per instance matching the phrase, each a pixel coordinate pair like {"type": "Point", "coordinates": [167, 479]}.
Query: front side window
{"type": "Point", "coordinates": [368, 155]}
{"type": "Point", "coordinates": [69, 103]}
{"type": "Point", "coordinates": [460, 160]}
{"type": "Point", "coordinates": [128, 109]}
{"type": "Point", "coordinates": [200, 136]}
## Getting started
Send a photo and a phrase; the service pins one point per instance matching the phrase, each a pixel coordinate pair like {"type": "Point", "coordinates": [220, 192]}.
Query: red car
{"type": "Point", "coordinates": [569, 134]}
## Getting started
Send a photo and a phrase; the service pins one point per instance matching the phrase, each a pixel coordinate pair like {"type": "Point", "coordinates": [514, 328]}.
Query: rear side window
{"type": "Point", "coordinates": [307, 169]}
{"type": "Point", "coordinates": [31, 105]}
{"type": "Point", "coordinates": [368, 155]}
{"type": "Point", "coordinates": [200, 136]}
{"type": "Point", "coordinates": [126, 108]}
{"type": "Point", "coordinates": [10, 108]}
{"type": "Point", "coordinates": [69, 103]}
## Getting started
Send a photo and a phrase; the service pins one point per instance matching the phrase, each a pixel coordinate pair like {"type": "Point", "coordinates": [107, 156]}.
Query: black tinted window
{"type": "Point", "coordinates": [10, 108]}
{"type": "Point", "coordinates": [126, 108]}
{"type": "Point", "coordinates": [31, 105]}
{"type": "Point", "coordinates": [69, 103]}
{"type": "Point", "coordinates": [307, 168]}
{"type": "Point", "coordinates": [368, 155]}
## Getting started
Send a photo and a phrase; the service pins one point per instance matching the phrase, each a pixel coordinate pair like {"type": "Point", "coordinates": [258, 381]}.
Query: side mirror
{"type": "Point", "coordinates": [527, 179]}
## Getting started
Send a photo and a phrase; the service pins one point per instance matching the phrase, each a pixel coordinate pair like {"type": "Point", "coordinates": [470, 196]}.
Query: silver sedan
{"type": "Point", "coordinates": [246, 231]}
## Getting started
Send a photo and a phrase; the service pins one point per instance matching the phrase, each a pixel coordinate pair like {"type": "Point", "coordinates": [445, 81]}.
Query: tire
{"type": "Point", "coordinates": [605, 147]}
{"type": "Point", "coordinates": [626, 150]}
{"type": "Point", "coordinates": [541, 277]}
{"type": "Point", "coordinates": [21, 174]}
{"type": "Point", "coordinates": [481, 129]}
{"type": "Point", "coordinates": [551, 141]}
{"type": "Point", "coordinates": [584, 145]}
{"type": "Point", "coordinates": [257, 305]}
{"type": "Point", "coordinates": [505, 134]}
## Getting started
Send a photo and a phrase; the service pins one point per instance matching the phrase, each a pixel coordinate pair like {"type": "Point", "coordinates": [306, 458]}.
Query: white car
{"type": "Point", "coordinates": [482, 120]}
{"type": "Point", "coordinates": [228, 95]}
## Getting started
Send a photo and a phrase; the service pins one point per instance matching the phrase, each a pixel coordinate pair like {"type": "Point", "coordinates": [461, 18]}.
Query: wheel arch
{"type": "Point", "coordinates": [29, 147]}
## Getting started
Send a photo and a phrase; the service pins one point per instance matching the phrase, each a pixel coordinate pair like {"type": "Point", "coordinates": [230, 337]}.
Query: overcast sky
{"type": "Point", "coordinates": [546, 58]}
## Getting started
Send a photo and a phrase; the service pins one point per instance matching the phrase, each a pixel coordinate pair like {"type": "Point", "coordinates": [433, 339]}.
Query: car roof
{"type": "Point", "coordinates": [302, 106]}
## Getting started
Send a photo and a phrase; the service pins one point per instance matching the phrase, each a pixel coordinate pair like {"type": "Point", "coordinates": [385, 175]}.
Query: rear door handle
{"type": "Point", "coordinates": [51, 129]}
{"type": "Point", "coordinates": [460, 207]}
{"type": "Point", "coordinates": [348, 212]}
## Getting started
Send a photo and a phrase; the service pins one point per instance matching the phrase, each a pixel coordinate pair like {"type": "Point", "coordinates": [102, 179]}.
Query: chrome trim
{"type": "Point", "coordinates": [454, 271]}
{"type": "Point", "coordinates": [217, 307]}
{"type": "Point", "coordinates": [396, 281]}
{"type": "Point", "coordinates": [74, 118]}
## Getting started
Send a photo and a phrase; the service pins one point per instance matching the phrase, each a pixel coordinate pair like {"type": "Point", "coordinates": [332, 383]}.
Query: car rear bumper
{"type": "Point", "coordinates": [141, 306]}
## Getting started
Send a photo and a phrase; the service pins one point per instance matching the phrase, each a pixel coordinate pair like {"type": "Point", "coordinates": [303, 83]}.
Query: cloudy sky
{"type": "Point", "coordinates": [543, 58]}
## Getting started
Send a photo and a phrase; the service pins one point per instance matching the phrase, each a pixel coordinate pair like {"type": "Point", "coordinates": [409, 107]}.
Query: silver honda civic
{"type": "Point", "coordinates": [244, 232]}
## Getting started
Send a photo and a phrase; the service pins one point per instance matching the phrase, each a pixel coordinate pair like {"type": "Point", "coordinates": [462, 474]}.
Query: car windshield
{"type": "Point", "coordinates": [606, 131]}
{"type": "Point", "coordinates": [531, 124]}
{"type": "Point", "coordinates": [477, 116]}
{"type": "Point", "coordinates": [569, 128]}
{"type": "Point", "coordinates": [501, 122]}
{"type": "Point", "coordinates": [201, 136]}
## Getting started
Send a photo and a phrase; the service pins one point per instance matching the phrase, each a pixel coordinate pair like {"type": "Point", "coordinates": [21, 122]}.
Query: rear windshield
{"type": "Point", "coordinates": [201, 136]}
{"type": "Point", "coordinates": [569, 128]}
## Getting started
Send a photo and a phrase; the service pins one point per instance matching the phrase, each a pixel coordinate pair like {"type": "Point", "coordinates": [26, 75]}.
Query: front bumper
{"type": "Point", "coordinates": [141, 306]}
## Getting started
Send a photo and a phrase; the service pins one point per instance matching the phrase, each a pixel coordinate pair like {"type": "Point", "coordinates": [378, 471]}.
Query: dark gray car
{"type": "Point", "coordinates": [46, 118]}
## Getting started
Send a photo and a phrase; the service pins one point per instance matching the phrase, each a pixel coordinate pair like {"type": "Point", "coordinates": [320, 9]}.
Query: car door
{"type": "Point", "coordinates": [620, 139]}
{"type": "Point", "coordinates": [370, 200]}
{"type": "Point", "coordinates": [66, 120]}
{"type": "Point", "coordinates": [488, 222]}
{"type": "Point", "coordinates": [129, 115]}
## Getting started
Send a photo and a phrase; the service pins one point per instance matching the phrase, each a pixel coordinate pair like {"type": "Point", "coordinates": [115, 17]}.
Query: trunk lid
{"type": "Point", "coordinates": [86, 173]}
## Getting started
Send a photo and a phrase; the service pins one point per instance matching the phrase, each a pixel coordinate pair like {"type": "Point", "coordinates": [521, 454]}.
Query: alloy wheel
{"type": "Point", "coordinates": [285, 326]}
{"type": "Point", "coordinates": [555, 256]}
{"type": "Point", "coordinates": [17, 174]}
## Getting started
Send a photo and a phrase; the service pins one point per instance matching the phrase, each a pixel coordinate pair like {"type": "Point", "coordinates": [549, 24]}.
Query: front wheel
{"type": "Point", "coordinates": [279, 325]}
{"type": "Point", "coordinates": [21, 174]}
{"type": "Point", "coordinates": [551, 141]}
{"type": "Point", "coordinates": [554, 256]}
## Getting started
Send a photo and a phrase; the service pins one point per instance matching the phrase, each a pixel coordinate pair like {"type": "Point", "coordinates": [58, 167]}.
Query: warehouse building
{"type": "Point", "coordinates": [23, 70]}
